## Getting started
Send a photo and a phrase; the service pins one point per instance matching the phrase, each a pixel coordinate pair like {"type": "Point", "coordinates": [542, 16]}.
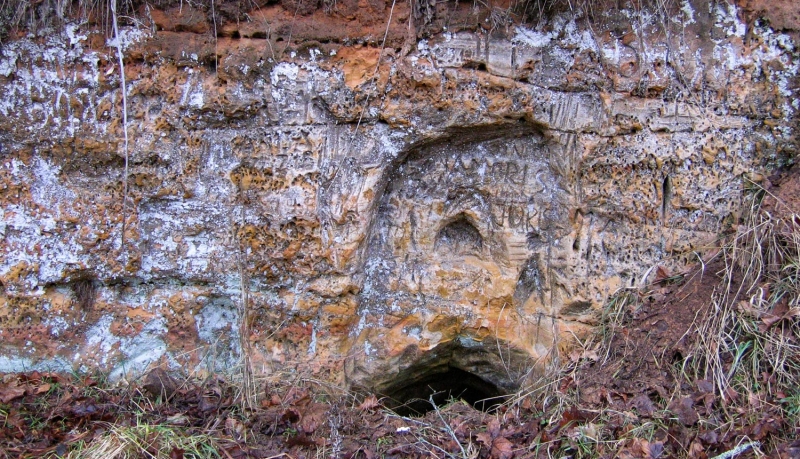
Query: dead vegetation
{"type": "Point", "coordinates": [34, 15]}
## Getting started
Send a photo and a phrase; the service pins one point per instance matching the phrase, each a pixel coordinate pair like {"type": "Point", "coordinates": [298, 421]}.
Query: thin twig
{"type": "Point", "coordinates": [738, 450]}
{"type": "Point", "coordinates": [447, 426]}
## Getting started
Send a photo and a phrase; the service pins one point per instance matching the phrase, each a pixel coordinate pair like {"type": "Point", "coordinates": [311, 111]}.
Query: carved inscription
{"type": "Point", "coordinates": [519, 216]}
{"type": "Point", "coordinates": [508, 184]}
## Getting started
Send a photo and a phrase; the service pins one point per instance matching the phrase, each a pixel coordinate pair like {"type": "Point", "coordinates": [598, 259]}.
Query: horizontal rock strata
{"type": "Point", "coordinates": [362, 194]}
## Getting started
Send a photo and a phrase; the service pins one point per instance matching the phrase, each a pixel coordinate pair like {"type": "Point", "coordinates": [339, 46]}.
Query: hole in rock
{"type": "Point", "coordinates": [482, 373]}
{"type": "Point", "coordinates": [530, 281]}
{"type": "Point", "coordinates": [577, 308]}
{"type": "Point", "coordinates": [85, 293]}
{"type": "Point", "coordinates": [666, 196]}
{"type": "Point", "coordinates": [460, 237]}
{"type": "Point", "coordinates": [412, 397]}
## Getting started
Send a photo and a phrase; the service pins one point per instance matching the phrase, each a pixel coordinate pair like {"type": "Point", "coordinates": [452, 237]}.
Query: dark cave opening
{"type": "Point", "coordinates": [413, 397]}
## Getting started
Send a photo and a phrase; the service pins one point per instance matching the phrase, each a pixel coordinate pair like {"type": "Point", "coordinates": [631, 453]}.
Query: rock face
{"type": "Point", "coordinates": [465, 198]}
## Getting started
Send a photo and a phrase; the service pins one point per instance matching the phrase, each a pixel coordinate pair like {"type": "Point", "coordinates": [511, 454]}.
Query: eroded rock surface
{"type": "Point", "coordinates": [467, 196]}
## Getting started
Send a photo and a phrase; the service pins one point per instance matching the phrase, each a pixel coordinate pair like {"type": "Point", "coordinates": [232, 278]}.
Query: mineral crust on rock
{"type": "Point", "coordinates": [467, 196]}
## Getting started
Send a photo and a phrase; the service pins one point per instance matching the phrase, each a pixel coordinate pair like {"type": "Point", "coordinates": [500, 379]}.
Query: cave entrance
{"type": "Point", "coordinates": [415, 397]}
{"type": "Point", "coordinates": [463, 369]}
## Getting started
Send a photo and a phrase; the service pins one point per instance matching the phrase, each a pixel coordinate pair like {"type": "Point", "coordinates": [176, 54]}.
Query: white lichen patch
{"type": "Point", "coordinates": [47, 74]}
{"type": "Point", "coordinates": [131, 355]}
{"type": "Point", "coordinates": [10, 363]}
{"type": "Point", "coordinates": [128, 36]}
{"type": "Point", "coordinates": [217, 326]}
{"type": "Point", "coordinates": [727, 18]}
{"type": "Point", "coordinates": [282, 74]}
{"type": "Point", "coordinates": [39, 223]}
{"type": "Point", "coordinates": [532, 38]}
{"type": "Point", "coordinates": [688, 14]}
{"type": "Point", "coordinates": [142, 350]}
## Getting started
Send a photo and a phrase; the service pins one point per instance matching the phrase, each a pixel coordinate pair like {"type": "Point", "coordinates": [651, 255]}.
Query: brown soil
{"type": "Point", "coordinates": [643, 354]}
{"type": "Point", "coordinates": [783, 192]}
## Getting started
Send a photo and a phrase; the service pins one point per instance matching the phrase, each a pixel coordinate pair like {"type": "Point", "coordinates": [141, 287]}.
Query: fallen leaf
{"type": "Point", "coordinates": [10, 393]}
{"type": "Point", "coordinates": [639, 448]}
{"type": "Point", "coordinates": [236, 452]}
{"type": "Point", "coordinates": [86, 408]}
{"type": "Point", "coordinates": [705, 386]}
{"type": "Point", "coordinates": [178, 419]}
{"type": "Point", "coordinates": [769, 321]}
{"type": "Point", "coordinates": [575, 415]}
{"type": "Point", "coordinates": [159, 384]}
{"type": "Point", "coordinates": [302, 440]}
{"type": "Point", "coordinates": [502, 448]}
{"type": "Point", "coordinates": [370, 403]}
{"type": "Point", "coordinates": [730, 395]}
{"type": "Point", "coordinates": [779, 312]}
{"type": "Point", "coordinates": [656, 450]}
{"type": "Point", "coordinates": [709, 437]}
{"type": "Point", "coordinates": [208, 403]}
{"type": "Point", "coordinates": [589, 431]}
{"type": "Point", "coordinates": [696, 451]}
{"type": "Point", "coordinates": [754, 400]}
{"type": "Point", "coordinates": [746, 308]}
{"type": "Point", "coordinates": [234, 428]}
{"type": "Point", "coordinates": [642, 448]}
{"type": "Point", "coordinates": [641, 445]}
{"type": "Point", "coordinates": [176, 453]}
{"type": "Point", "coordinates": [44, 388]}
{"type": "Point", "coordinates": [313, 417]}
{"type": "Point", "coordinates": [684, 409]}
{"type": "Point", "coordinates": [708, 401]}
{"type": "Point", "coordinates": [643, 404]}
{"type": "Point", "coordinates": [493, 427]}
{"type": "Point", "coordinates": [584, 354]}
{"type": "Point", "coordinates": [484, 437]}
{"type": "Point", "coordinates": [765, 427]}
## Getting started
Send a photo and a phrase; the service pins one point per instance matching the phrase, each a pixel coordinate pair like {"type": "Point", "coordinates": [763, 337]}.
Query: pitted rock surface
{"type": "Point", "coordinates": [468, 195]}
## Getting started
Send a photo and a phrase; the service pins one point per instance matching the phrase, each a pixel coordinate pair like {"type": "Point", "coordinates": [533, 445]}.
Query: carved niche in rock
{"type": "Point", "coordinates": [458, 252]}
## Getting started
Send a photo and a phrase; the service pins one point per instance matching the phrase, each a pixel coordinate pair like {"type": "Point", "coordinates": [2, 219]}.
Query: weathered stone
{"type": "Point", "coordinates": [469, 200]}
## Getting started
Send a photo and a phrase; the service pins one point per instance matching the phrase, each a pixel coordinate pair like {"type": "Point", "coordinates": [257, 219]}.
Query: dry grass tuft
{"type": "Point", "coordinates": [751, 346]}
{"type": "Point", "coordinates": [147, 440]}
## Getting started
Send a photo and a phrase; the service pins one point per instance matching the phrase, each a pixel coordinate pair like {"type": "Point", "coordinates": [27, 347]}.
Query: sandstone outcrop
{"type": "Point", "coordinates": [332, 189]}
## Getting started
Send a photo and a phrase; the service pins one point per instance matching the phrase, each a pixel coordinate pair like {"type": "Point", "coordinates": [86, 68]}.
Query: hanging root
{"type": "Point", "coordinates": [123, 88]}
